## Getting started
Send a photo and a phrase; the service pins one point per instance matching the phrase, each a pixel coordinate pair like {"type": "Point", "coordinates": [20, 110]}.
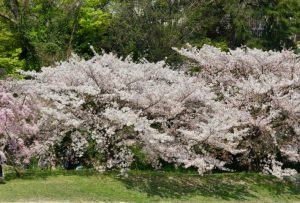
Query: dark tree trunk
{"type": "Point", "coordinates": [1, 172]}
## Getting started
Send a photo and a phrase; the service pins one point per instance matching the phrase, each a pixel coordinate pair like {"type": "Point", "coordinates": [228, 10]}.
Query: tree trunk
{"type": "Point", "coordinates": [1, 173]}
{"type": "Point", "coordinates": [75, 24]}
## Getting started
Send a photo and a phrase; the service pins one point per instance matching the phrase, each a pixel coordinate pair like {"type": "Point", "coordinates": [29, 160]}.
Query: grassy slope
{"type": "Point", "coordinates": [147, 187]}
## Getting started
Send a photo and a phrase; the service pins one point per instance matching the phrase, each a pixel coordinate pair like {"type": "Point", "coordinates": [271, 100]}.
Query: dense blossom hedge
{"type": "Point", "coordinates": [237, 110]}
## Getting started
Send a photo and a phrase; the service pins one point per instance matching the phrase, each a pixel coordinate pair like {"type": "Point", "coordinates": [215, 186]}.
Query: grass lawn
{"type": "Point", "coordinates": [142, 186]}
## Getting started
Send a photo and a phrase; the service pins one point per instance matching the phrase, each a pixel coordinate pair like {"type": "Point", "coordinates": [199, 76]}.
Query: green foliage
{"type": "Point", "coordinates": [92, 21]}
{"type": "Point", "coordinates": [9, 53]}
{"type": "Point", "coordinates": [146, 30]}
{"type": "Point", "coordinates": [140, 158]}
{"type": "Point", "coordinates": [49, 31]}
{"type": "Point", "coordinates": [93, 24]}
{"type": "Point", "coordinates": [219, 44]}
{"type": "Point", "coordinates": [297, 50]}
{"type": "Point", "coordinates": [283, 21]}
{"type": "Point", "coordinates": [264, 24]}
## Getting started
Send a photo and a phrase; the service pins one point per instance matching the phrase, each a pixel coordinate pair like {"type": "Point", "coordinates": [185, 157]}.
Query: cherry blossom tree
{"type": "Point", "coordinates": [265, 85]}
{"type": "Point", "coordinates": [240, 111]}
{"type": "Point", "coordinates": [18, 129]}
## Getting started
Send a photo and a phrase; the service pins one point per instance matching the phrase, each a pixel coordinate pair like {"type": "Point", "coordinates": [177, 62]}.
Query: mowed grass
{"type": "Point", "coordinates": [143, 186]}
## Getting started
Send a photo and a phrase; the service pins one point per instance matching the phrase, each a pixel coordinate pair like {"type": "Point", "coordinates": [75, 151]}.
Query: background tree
{"type": "Point", "coordinates": [9, 52]}
{"type": "Point", "coordinates": [47, 31]}
{"type": "Point", "coordinates": [261, 24]}
{"type": "Point", "coordinates": [148, 28]}
{"type": "Point", "coordinates": [92, 26]}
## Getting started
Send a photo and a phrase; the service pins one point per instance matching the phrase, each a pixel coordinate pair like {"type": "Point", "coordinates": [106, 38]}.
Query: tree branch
{"type": "Point", "coordinates": [6, 17]}
{"type": "Point", "coordinates": [25, 7]}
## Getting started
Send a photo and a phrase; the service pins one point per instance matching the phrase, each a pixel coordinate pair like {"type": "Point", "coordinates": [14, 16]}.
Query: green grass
{"type": "Point", "coordinates": [143, 186]}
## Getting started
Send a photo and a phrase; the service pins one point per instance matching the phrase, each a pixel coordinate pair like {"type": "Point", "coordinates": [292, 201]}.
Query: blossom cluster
{"type": "Point", "coordinates": [240, 109]}
{"type": "Point", "coordinates": [264, 85]}
{"type": "Point", "coordinates": [17, 127]}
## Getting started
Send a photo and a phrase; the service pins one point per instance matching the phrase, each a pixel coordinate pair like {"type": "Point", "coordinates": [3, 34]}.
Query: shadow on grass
{"type": "Point", "coordinates": [224, 186]}
{"type": "Point", "coordinates": [44, 174]}
{"type": "Point", "coordinates": [185, 186]}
